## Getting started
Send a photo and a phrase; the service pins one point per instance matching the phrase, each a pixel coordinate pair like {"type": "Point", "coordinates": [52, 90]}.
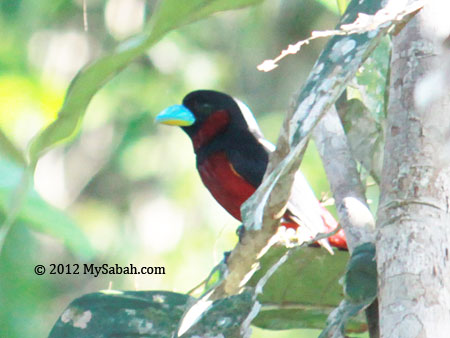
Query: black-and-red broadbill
{"type": "Point", "coordinates": [232, 156]}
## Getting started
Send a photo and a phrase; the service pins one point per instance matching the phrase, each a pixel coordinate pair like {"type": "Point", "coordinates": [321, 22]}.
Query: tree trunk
{"type": "Point", "coordinates": [413, 239]}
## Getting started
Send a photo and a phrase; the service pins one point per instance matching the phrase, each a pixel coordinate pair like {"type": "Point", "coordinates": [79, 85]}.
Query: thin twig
{"type": "Point", "coordinates": [364, 23]}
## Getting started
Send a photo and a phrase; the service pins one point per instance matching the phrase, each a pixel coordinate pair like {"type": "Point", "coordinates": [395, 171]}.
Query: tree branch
{"type": "Point", "coordinates": [349, 194]}
{"type": "Point", "coordinates": [348, 191]}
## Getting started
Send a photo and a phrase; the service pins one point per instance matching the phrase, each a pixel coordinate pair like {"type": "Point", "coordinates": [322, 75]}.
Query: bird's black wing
{"type": "Point", "coordinates": [248, 157]}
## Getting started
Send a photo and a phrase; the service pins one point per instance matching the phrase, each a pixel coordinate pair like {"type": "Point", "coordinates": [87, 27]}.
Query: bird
{"type": "Point", "coordinates": [232, 156]}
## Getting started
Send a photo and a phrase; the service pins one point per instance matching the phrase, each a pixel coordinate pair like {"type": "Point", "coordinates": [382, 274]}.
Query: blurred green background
{"type": "Point", "coordinates": [129, 185]}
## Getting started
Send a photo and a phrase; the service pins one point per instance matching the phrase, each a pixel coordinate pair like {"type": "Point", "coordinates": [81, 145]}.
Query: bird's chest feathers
{"type": "Point", "coordinates": [215, 124]}
{"type": "Point", "coordinates": [224, 183]}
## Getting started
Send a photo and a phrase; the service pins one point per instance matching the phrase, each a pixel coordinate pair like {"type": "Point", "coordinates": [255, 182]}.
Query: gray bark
{"type": "Point", "coordinates": [413, 239]}
{"type": "Point", "coordinates": [354, 213]}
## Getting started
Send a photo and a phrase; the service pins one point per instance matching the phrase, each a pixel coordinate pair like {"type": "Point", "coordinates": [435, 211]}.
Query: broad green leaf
{"type": "Point", "coordinates": [303, 291]}
{"type": "Point", "coordinates": [112, 313]}
{"type": "Point", "coordinates": [171, 14]}
{"type": "Point", "coordinates": [10, 151]}
{"type": "Point", "coordinates": [39, 215]}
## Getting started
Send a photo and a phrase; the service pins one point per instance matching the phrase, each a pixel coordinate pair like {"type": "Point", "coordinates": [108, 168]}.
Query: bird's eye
{"type": "Point", "coordinates": [205, 108]}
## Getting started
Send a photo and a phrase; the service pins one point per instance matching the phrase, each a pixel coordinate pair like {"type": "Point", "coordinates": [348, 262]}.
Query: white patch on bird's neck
{"type": "Point", "coordinates": [249, 118]}
{"type": "Point", "coordinates": [253, 125]}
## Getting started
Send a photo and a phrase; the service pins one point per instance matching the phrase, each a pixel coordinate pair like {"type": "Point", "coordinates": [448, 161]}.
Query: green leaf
{"type": "Point", "coordinates": [171, 14]}
{"type": "Point", "coordinates": [303, 291]}
{"type": "Point", "coordinates": [39, 215]}
{"type": "Point", "coordinates": [112, 313]}
{"type": "Point", "coordinates": [8, 149]}
{"type": "Point", "coordinates": [83, 87]}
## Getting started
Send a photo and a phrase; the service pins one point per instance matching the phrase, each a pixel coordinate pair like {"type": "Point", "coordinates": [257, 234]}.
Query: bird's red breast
{"type": "Point", "coordinates": [224, 183]}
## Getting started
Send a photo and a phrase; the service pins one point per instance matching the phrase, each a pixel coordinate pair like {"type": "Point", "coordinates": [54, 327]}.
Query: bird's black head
{"type": "Point", "coordinates": [205, 113]}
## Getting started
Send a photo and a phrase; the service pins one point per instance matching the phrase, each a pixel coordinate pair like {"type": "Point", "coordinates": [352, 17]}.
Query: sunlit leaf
{"type": "Point", "coordinates": [170, 15]}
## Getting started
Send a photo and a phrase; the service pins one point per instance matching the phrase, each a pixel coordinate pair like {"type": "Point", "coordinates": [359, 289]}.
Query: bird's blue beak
{"type": "Point", "coordinates": [177, 115]}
